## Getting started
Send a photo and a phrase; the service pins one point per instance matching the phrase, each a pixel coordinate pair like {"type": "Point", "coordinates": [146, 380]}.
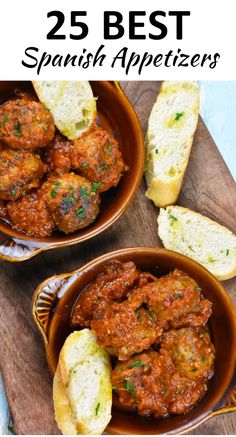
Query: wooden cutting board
{"type": "Point", "coordinates": [208, 188]}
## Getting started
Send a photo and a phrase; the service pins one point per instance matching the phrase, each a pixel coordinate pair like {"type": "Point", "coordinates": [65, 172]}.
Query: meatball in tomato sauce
{"type": "Point", "coordinates": [96, 156]}
{"type": "Point", "coordinates": [25, 124]}
{"type": "Point", "coordinates": [57, 154]}
{"type": "Point", "coordinates": [30, 215]}
{"type": "Point", "coordinates": [72, 202]}
{"type": "Point", "coordinates": [19, 172]}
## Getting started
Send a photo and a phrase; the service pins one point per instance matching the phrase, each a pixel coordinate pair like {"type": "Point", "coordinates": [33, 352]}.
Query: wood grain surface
{"type": "Point", "coordinates": [208, 188]}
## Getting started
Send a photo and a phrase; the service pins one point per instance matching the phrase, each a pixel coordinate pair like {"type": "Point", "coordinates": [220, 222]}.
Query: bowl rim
{"type": "Point", "coordinates": [38, 245]}
{"type": "Point", "coordinates": [159, 251]}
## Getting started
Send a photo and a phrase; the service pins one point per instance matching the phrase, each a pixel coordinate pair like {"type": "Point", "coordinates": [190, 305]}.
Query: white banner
{"type": "Point", "coordinates": [109, 40]}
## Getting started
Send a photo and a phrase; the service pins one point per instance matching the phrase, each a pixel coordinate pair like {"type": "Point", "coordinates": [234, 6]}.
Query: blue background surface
{"type": "Point", "coordinates": [218, 110]}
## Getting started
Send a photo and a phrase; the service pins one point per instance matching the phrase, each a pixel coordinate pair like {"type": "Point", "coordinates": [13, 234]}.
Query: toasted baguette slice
{"type": "Point", "coordinates": [171, 128]}
{"type": "Point", "coordinates": [200, 238]}
{"type": "Point", "coordinates": [84, 369]}
{"type": "Point", "coordinates": [62, 409]}
{"type": "Point", "coordinates": [71, 103]}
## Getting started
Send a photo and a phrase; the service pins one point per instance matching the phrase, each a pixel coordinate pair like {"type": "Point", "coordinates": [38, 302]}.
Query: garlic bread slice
{"type": "Point", "coordinates": [169, 139]}
{"type": "Point", "coordinates": [71, 104]}
{"type": "Point", "coordinates": [200, 238]}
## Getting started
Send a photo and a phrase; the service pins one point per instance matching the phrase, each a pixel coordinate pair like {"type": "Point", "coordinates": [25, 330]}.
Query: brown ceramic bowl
{"type": "Point", "coordinates": [116, 114]}
{"type": "Point", "coordinates": [55, 297]}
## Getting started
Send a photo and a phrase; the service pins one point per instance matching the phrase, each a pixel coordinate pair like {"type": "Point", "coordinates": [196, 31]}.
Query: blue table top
{"type": "Point", "coordinates": [218, 110]}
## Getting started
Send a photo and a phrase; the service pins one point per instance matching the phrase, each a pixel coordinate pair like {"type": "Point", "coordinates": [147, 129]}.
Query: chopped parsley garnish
{"type": "Point", "coordinates": [84, 164]}
{"type": "Point", "coordinates": [135, 364]}
{"type": "Point", "coordinates": [109, 149]}
{"type": "Point", "coordinates": [203, 359]}
{"type": "Point", "coordinates": [156, 151]}
{"type": "Point", "coordinates": [97, 408]}
{"type": "Point", "coordinates": [95, 186]}
{"type": "Point", "coordinates": [84, 192]}
{"type": "Point", "coordinates": [13, 192]}
{"type": "Point", "coordinates": [103, 166]}
{"type": "Point", "coordinates": [70, 199]}
{"type": "Point", "coordinates": [149, 313]}
{"type": "Point", "coordinates": [197, 288]}
{"type": "Point", "coordinates": [122, 368]}
{"type": "Point", "coordinates": [53, 193]}
{"type": "Point", "coordinates": [177, 295]}
{"type": "Point", "coordinates": [227, 252]}
{"type": "Point", "coordinates": [57, 183]}
{"type": "Point", "coordinates": [178, 115]}
{"type": "Point", "coordinates": [138, 313]}
{"type": "Point", "coordinates": [129, 387]}
{"type": "Point", "coordinates": [80, 213]}
{"type": "Point", "coordinates": [17, 132]}
{"type": "Point", "coordinates": [173, 218]}
{"type": "Point", "coordinates": [5, 118]}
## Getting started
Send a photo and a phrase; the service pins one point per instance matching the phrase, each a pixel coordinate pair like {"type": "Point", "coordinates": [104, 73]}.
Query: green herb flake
{"type": "Point", "coordinates": [95, 186]}
{"type": "Point", "coordinates": [110, 149]}
{"type": "Point", "coordinates": [13, 192]}
{"type": "Point", "coordinates": [70, 199]}
{"type": "Point", "coordinates": [138, 313]}
{"type": "Point", "coordinates": [57, 183]}
{"type": "Point", "coordinates": [135, 364]}
{"type": "Point", "coordinates": [5, 118]}
{"type": "Point", "coordinates": [129, 387]}
{"type": "Point", "coordinates": [197, 288]}
{"type": "Point", "coordinates": [178, 115]}
{"type": "Point", "coordinates": [122, 368]}
{"type": "Point", "coordinates": [149, 312]}
{"type": "Point", "coordinates": [84, 164]}
{"type": "Point", "coordinates": [53, 193]}
{"type": "Point", "coordinates": [0, 124]}
{"type": "Point", "coordinates": [17, 132]}
{"type": "Point", "coordinates": [114, 388]}
{"type": "Point", "coordinates": [80, 213]}
{"type": "Point", "coordinates": [203, 359]}
{"type": "Point", "coordinates": [173, 218]}
{"type": "Point", "coordinates": [156, 151]}
{"type": "Point", "coordinates": [97, 408]}
{"type": "Point", "coordinates": [103, 166]}
{"type": "Point", "coordinates": [84, 193]}
{"type": "Point", "coordinates": [177, 295]}
{"type": "Point", "coordinates": [227, 252]}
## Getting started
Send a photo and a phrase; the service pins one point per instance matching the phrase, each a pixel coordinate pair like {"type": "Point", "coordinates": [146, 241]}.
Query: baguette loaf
{"type": "Point", "coordinates": [71, 103]}
{"type": "Point", "coordinates": [169, 139]}
{"type": "Point", "coordinates": [82, 388]}
{"type": "Point", "coordinates": [200, 238]}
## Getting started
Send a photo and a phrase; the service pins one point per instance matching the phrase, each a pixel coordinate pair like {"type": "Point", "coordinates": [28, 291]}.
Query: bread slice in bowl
{"type": "Point", "coordinates": [82, 385]}
{"type": "Point", "coordinates": [71, 104]}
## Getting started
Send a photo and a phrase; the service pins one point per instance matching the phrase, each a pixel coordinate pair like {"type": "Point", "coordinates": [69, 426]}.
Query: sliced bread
{"type": "Point", "coordinates": [200, 238]}
{"type": "Point", "coordinates": [71, 104]}
{"type": "Point", "coordinates": [84, 380]}
{"type": "Point", "coordinates": [169, 139]}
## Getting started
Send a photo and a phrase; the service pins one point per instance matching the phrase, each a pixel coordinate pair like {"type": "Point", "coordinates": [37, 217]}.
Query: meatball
{"type": "Point", "coordinates": [176, 298]}
{"type": "Point", "coordinates": [142, 383]}
{"type": "Point", "coordinates": [25, 124]}
{"type": "Point", "coordinates": [19, 172]}
{"type": "Point", "coordinates": [110, 286]}
{"type": "Point", "coordinates": [96, 156]}
{"type": "Point", "coordinates": [29, 214]}
{"type": "Point", "coordinates": [57, 154]}
{"type": "Point", "coordinates": [125, 329]}
{"type": "Point", "coordinates": [191, 351]}
{"type": "Point", "coordinates": [72, 202]}
{"type": "Point", "coordinates": [164, 382]}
